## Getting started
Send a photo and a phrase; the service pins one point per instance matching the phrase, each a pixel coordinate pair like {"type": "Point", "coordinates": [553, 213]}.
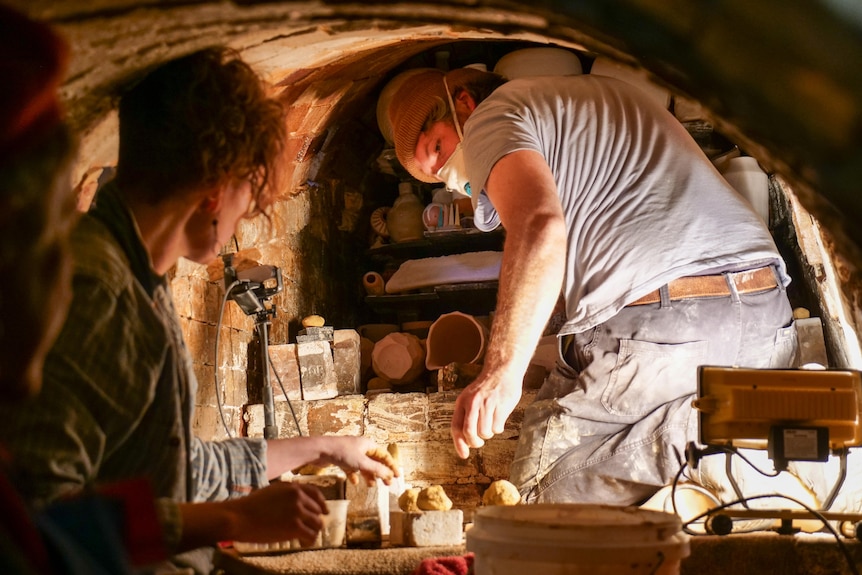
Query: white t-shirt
{"type": "Point", "coordinates": [643, 204]}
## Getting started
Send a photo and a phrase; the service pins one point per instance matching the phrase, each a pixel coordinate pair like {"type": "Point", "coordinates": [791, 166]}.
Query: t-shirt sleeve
{"type": "Point", "coordinates": [498, 126]}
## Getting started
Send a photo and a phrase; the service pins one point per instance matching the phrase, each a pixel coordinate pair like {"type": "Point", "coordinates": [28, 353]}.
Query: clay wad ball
{"type": "Point", "coordinates": [501, 492]}
{"type": "Point", "coordinates": [407, 500]}
{"type": "Point", "coordinates": [433, 498]}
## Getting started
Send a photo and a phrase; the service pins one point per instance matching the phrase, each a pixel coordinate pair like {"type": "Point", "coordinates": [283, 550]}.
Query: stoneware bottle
{"type": "Point", "coordinates": [404, 220]}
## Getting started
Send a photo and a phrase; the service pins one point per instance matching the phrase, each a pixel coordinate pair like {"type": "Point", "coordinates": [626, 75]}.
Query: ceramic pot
{"type": "Point", "coordinates": [373, 283]}
{"type": "Point", "coordinates": [378, 221]}
{"type": "Point", "coordinates": [455, 337]}
{"type": "Point", "coordinates": [398, 358]}
{"type": "Point", "coordinates": [404, 220]}
{"type": "Point", "coordinates": [542, 61]}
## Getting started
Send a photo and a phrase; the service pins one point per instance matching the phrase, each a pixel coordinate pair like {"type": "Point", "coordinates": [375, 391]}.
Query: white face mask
{"type": "Point", "coordinates": [453, 172]}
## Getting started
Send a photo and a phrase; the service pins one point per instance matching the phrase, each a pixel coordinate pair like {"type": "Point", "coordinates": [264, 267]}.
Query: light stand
{"type": "Point", "coordinates": [251, 289]}
{"type": "Point", "coordinates": [262, 323]}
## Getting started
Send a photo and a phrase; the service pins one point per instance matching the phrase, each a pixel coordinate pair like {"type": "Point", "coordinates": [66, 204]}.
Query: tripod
{"type": "Point", "coordinates": [251, 289]}
{"type": "Point", "coordinates": [261, 324]}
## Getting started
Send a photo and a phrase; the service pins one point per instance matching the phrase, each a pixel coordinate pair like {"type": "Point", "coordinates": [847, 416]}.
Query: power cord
{"type": "Point", "coordinates": [729, 452]}
{"type": "Point", "coordinates": [216, 366]}
{"type": "Point", "coordinates": [289, 404]}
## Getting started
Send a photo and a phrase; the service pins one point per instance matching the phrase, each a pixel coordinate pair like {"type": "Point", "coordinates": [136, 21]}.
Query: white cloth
{"type": "Point", "coordinates": [643, 206]}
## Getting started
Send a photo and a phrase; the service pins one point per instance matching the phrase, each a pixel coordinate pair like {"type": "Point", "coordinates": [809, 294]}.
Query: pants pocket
{"type": "Point", "coordinates": [541, 431]}
{"type": "Point", "coordinates": [786, 347]}
{"type": "Point", "coordinates": [647, 375]}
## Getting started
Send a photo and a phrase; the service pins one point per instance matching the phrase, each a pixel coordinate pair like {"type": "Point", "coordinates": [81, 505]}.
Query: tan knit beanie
{"type": "Point", "coordinates": [413, 103]}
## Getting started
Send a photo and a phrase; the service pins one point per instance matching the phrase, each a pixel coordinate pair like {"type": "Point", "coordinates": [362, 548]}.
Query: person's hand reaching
{"type": "Point", "coordinates": [359, 456]}
{"type": "Point", "coordinates": [482, 409]}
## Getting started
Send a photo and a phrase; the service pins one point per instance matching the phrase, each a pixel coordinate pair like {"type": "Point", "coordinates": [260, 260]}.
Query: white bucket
{"type": "Point", "coordinates": [574, 539]}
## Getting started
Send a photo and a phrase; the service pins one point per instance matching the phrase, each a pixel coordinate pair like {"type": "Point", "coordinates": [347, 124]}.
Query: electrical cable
{"type": "Point", "coordinates": [734, 451]}
{"type": "Point", "coordinates": [728, 469]}
{"type": "Point", "coordinates": [729, 451]}
{"type": "Point", "coordinates": [216, 366]}
{"type": "Point", "coordinates": [673, 490]}
{"type": "Point", "coordinates": [287, 399]}
{"type": "Point", "coordinates": [674, 486]}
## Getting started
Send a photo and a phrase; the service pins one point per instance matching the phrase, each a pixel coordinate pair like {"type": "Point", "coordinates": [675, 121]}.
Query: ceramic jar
{"type": "Point", "coordinates": [455, 337]}
{"type": "Point", "coordinates": [398, 358]}
{"type": "Point", "coordinates": [373, 283]}
{"type": "Point", "coordinates": [404, 220]}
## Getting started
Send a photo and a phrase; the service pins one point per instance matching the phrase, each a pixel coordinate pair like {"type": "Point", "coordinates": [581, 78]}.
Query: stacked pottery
{"type": "Point", "coordinates": [404, 220]}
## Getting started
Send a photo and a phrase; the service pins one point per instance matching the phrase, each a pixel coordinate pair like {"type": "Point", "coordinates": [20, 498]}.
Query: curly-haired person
{"type": "Point", "coordinates": [200, 143]}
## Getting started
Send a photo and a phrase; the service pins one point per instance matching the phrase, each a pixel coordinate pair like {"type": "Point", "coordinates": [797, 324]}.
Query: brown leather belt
{"type": "Point", "coordinates": [749, 281]}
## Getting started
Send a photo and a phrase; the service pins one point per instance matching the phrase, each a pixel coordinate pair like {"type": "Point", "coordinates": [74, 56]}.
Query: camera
{"type": "Point", "coordinates": [253, 287]}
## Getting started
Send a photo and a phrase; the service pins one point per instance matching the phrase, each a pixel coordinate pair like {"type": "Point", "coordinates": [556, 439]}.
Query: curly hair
{"type": "Point", "coordinates": [201, 120]}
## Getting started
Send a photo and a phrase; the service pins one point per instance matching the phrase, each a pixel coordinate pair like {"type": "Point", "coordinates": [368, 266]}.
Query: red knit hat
{"type": "Point", "coordinates": [33, 59]}
{"type": "Point", "coordinates": [413, 103]}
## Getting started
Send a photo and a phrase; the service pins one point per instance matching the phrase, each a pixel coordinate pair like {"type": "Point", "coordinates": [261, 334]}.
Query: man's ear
{"type": "Point", "coordinates": [464, 105]}
{"type": "Point", "coordinates": [464, 102]}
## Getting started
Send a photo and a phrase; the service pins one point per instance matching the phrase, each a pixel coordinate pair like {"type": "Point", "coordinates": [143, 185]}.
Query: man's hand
{"type": "Point", "coordinates": [482, 409]}
{"type": "Point", "coordinates": [524, 193]}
